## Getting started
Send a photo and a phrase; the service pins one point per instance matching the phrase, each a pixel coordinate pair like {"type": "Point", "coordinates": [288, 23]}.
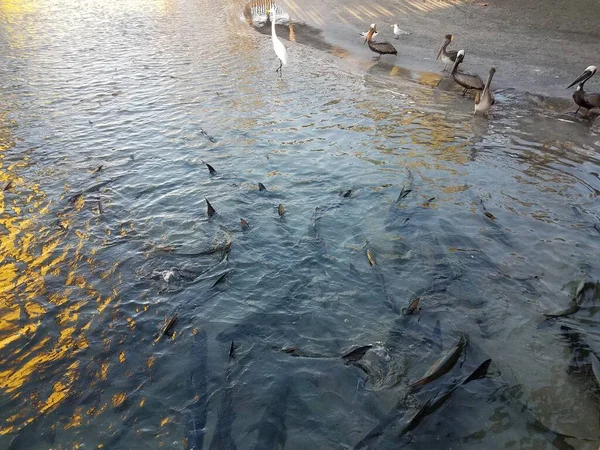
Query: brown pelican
{"type": "Point", "coordinates": [582, 98]}
{"type": "Point", "coordinates": [448, 56]}
{"type": "Point", "coordinates": [383, 48]}
{"type": "Point", "coordinates": [485, 100]}
{"type": "Point", "coordinates": [465, 79]}
{"type": "Point", "coordinates": [364, 33]}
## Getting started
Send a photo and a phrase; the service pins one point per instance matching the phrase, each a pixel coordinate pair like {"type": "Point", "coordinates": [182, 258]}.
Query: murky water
{"type": "Point", "coordinates": [498, 229]}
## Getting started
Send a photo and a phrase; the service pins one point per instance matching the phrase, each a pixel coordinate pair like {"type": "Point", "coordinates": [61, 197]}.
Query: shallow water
{"type": "Point", "coordinates": [149, 90]}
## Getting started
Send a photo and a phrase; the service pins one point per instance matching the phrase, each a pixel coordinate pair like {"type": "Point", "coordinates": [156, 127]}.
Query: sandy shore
{"type": "Point", "coordinates": [538, 46]}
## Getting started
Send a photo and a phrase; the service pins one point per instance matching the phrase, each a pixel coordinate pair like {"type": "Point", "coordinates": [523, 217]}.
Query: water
{"type": "Point", "coordinates": [149, 90]}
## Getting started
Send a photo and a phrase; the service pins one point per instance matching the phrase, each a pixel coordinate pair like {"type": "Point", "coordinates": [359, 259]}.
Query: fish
{"type": "Point", "coordinates": [441, 366]}
{"type": "Point", "coordinates": [211, 169]}
{"type": "Point", "coordinates": [232, 350]}
{"type": "Point", "coordinates": [434, 403]}
{"type": "Point", "coordinates": [347, 194]}
{"type": "Point", "coordinates": [222, 439]}
{"type": "Point", "coordinates": [371, 258]}
{"type": "Point", "coordinates": [405, 220]}
{"type": "Point", "coordinates": [489, 215]}
{"type": "Point", "coordinates": [595, 367]}
{"type": "Point", "coordinates": [261, 187]}
{"type": "Point", "coordinates": [403, 193]}
{"type": "Point", "coordinates": [356, 355]}
{"type": "Point", "coordinates": [97, 169]}
{"type": "Point", "coordinates": [280, 210]}
{"type": "Point", "coordinates": [412, 307]}
{"type": "Point", "coordinates": [244, 224]}
{"type": "Point", "coordinates": [272, 432]}
{"type": "Point", "coordinates": [576, 300]}
{"type": "Point", "coordinates": [428, 202]}
{"type": "Point", "coordinates": [167, 329]}
{"type": "Point", "coordinates": [8, 186]}
{"type": "Point", "coordinates": [209, 209]}
{"type": "Point", "coordinates": [197, 411]}
{"type": "Point", "coordinates": [100, 211]}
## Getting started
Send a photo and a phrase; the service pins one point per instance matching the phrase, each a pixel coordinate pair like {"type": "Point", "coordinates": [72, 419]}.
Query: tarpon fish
{"type": "Point", "coordinates": [356, 355]}
{"type": "Point", "coordinates": [222, 438]}
{"type": "Point", "coordinates": [209, 209]}
{"type": "Point", "coordinates": [272, 432]}
{"type": "Point", "coordinates": [167, 329]}
{"type": "Point", "coordinates": [244, 224]}
{"type": "Point", "coordinates": [412, 307]}
{"type": "Point", "coordinates": [211, 169]}
{"type": "Point", "coordinates": [371, 258]}
{"type": "Point", "coordinates": [261, 187]}
{"type": "Point", "coordinates": [578, 298]}
{"type": "Point", "coordinates": [198, 367]}
{"type": "Point", "coordinates": [433, 404]}
{"type": "Point", "coordinates": [442, 366]}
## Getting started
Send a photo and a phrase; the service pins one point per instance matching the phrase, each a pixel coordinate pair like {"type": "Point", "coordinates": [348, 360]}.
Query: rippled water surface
{"type": "Point", "coordinates": [500, 226]}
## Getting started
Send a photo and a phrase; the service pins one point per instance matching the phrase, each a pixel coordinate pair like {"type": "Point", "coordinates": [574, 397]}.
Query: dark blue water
{"type": "Point", "coordinates": [94, 260]}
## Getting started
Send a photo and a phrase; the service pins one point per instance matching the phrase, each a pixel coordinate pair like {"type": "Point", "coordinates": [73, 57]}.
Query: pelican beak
{"type": "Point", "coordinates": [459, 59]}
{"type": "Point", "coordinates": [583, 77]}
{"type": "Point", "coordinates": [440, 52]}
{"type": "Point", "coordinates": [451, 37]}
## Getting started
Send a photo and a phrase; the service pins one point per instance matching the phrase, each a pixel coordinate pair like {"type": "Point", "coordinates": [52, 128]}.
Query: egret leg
{"type": "Point", "coordinates": [279, 68]}
{"type": "Point", "coordinates": [376, 58]}
{"type": "Point", "coordinates": [445, 67]}
{"type": "Point", "coordinates": [575, 113]}
{"type": "Point", "coordinates": [465, 91]}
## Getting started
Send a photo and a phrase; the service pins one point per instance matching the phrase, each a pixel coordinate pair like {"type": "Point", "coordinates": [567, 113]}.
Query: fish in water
{"type": "Point", "coordinates": [209, 209]}
{"type": "Point", "coordinates": [371, 258]}
{"type": "Point", "coordinates": [403, 193]}
{"type": "Point", "coordinates": [232, 350]}
{"type": "Point", "coordinates": [8, 186]}
{"type": "Point", "coordinates": [211, 169]}
{"type": "Point", "coordinates": [428, 202]}
{"type": "Point", "coordinates": [356, 355]}
{"type": "Point", "coordinates": [272, 432]}
{"type": "Point", "coordinates": [261, 187]}
{"type": "Point", "coordinates": [97, 169]}
{"type": "Point", "coordinates": [280, 210]}
{"type": "Point", "coordinates": [442, 366]}
{"type": "Point", "coordinates": [348, 193]}
{"type": "Point", "coordinates": [489, 215]}
{"type": "Point", "coordinates": [577, 299]}
{"type": "Point", "coordinates": [168, 326]}
{"type": "Point", "coordinates": [222, 438]}
{"type": "Point", "coordinates": [198, 367]}
{"type": "Point", "coordinates": [412, 307]}
{"type": "Point", "coordinates": [433, 404]}
{"type": "Point", "coordinates": [244, 224]}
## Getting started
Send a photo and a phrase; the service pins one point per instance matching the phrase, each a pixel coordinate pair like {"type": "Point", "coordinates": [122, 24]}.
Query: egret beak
{"type": "Point", "coordinates": [583, 77]}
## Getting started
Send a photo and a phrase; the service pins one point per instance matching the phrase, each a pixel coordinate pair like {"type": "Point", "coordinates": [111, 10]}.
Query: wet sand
{"type": "Point", "coordinates": [536, 46]}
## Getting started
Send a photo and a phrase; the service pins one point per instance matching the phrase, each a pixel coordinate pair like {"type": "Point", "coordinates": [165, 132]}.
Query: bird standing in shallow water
{"type": "Point", "coordinates": [465, 79]}
{"type": "Point", "coordinates": [485, 100]}
{"type": "Point", "coordinates": [383, 48]}
{"type": "Point", "coordinates": [582, 98]}
{"type": "Point", "coordinates": [278, 46]}
{"type": "Point", "coordinates": [448, 56]}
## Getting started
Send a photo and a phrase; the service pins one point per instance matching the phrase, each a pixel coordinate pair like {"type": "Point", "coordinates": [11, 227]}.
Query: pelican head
{"type": "Point", "coordinates": [459, 58]}
{"type": "Point", "coordinates": [492, 71]}
{"type": "Point", "coordinates": [586, 75]}
{"type": "Point", "coordinates": [371, 32]}
{"type": "Point", "coordinates": [447, 39]}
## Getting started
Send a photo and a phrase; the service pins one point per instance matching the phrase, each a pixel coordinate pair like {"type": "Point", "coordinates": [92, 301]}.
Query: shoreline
{"type": "Point", "coordinates": [532, 46]}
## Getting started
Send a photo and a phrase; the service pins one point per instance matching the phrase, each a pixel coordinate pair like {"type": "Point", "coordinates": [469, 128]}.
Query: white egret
{"type": "Point", "coordinates": [278, 46]}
